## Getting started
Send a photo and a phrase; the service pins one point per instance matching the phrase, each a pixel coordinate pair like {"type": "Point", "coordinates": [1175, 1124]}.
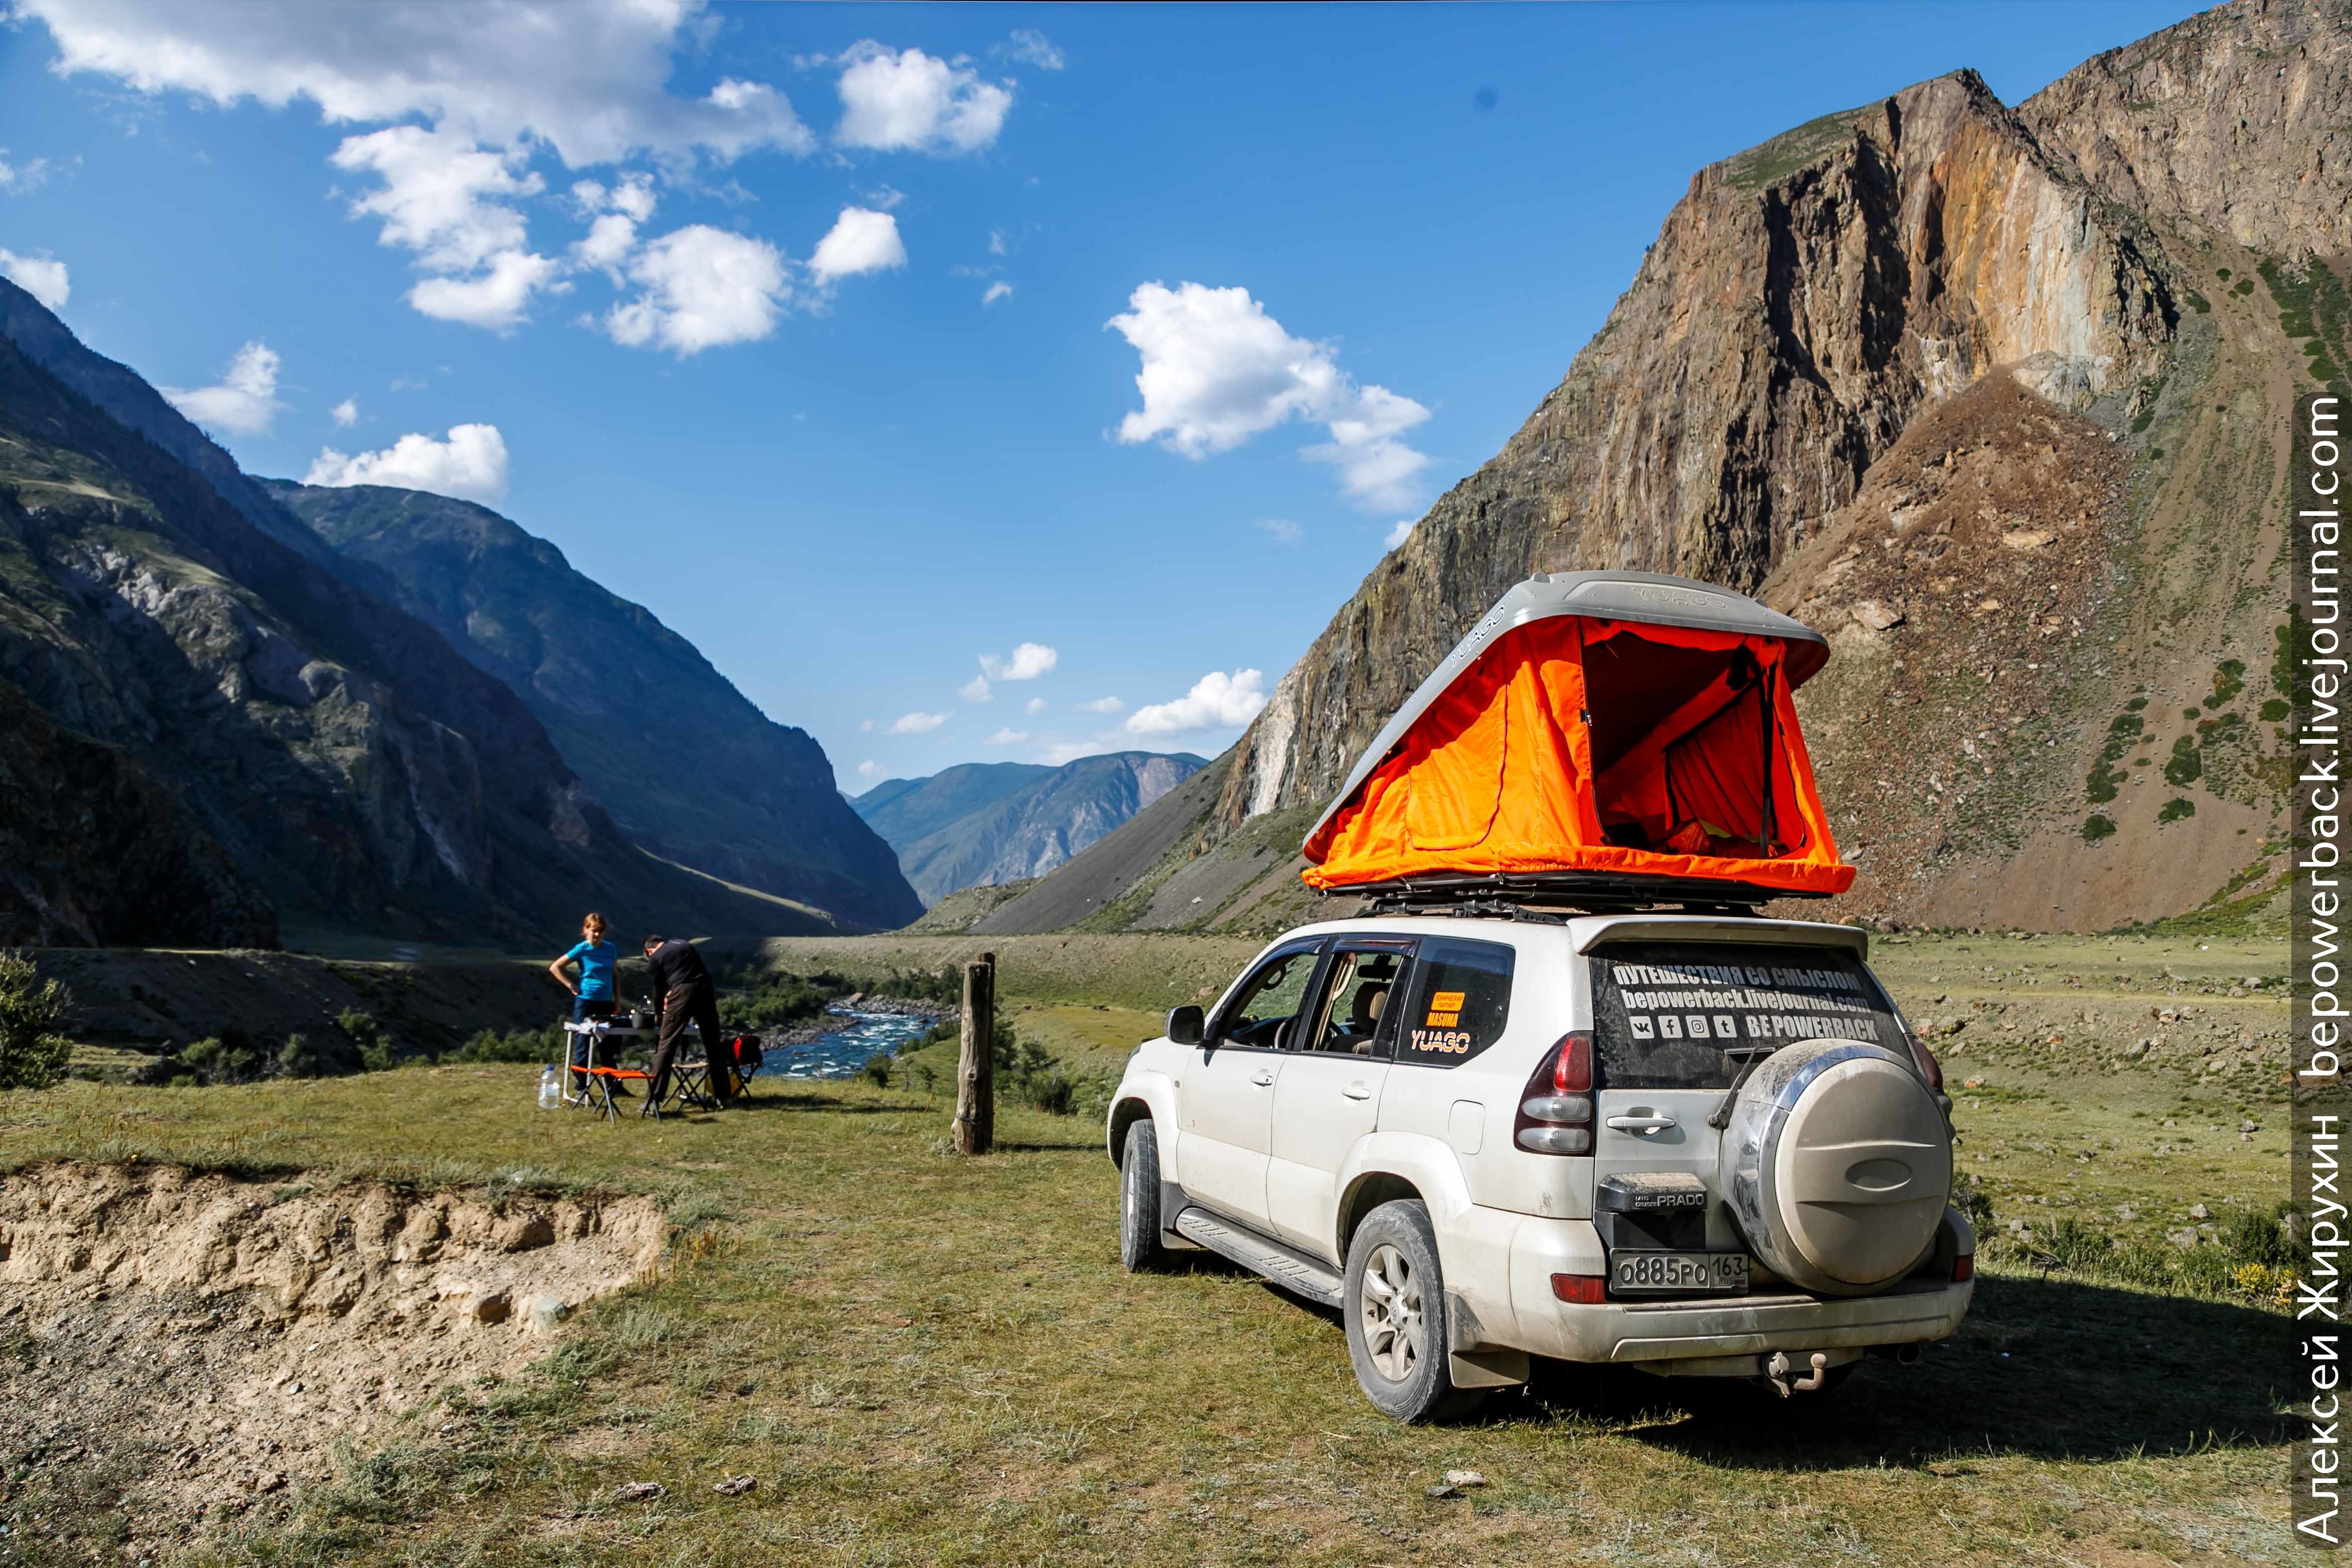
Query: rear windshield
{"type": "Point", "coordinates": [1686, 1015]}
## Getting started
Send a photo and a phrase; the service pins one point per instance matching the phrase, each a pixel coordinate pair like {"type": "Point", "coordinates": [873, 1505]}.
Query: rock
{"type": "Point", "coordinates": [496, 1307]}
{"type": "Point", "coordinates": [2136, 1049]}
{"type": "Point", "coordinates": [2027, 539]}
{"type": "Point", "coordinates": [736, 1486]}
{"type": "Point", "coordinates": [521, 1233]}
{"type": "Point", "coordinates": [2183, 1239]}
{"type": "Point", "coordinates": [1466, 1477]}
{"type": "Point", "coordinates": [1878, 618]}
{"type": "Point", "coordinates": [2199, 1211]}
{"type": "Point", "coordinates": [1445, 1491]}
{"type": "Point", "coordinates": [639, 1491]}
{"type": "Point", "coordinates": [546, 1312]}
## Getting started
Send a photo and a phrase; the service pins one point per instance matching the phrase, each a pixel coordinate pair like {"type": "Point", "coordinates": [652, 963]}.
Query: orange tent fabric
{"type": "Point", "coordinates": [1577, 743]}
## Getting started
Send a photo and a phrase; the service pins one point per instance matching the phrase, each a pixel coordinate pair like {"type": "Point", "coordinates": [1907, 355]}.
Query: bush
{"type": "Point", "coordinates": [33, 1050]}
{"type": "Point", "coordinates": [515, 1046]}
{"type": "Point", "coordinates": [230, 1057]}
{"type": "Point", "coordinates": [877, 1069]}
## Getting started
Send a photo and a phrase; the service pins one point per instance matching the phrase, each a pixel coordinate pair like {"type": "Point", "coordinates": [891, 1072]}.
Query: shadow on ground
{"type": "Point", "coordinates": [2045, 1368]}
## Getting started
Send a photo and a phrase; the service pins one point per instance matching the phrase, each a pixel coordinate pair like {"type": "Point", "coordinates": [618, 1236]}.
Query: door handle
{"type": "Point", "coordinates": [1358, 1091]}
{"type": "Point", "coordinates": [1652, 1123]}
{"type": "Point", "coordinates": [1263, 1078]}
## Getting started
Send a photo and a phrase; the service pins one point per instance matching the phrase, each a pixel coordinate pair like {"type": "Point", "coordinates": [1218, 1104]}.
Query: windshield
{"type": "Point", "coordinates": [1669, 1015]}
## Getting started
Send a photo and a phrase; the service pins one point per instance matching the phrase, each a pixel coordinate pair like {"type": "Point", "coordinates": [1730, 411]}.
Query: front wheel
{"type": "Point", "coordinates": [1138, 1200]}
{"type": "Point", "coordinates": [1394, 1306]}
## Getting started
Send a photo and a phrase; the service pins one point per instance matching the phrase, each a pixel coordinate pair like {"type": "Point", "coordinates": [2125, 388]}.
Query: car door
{"type": "Point", "coordinates": [1327, 1096]}
{"type": "Point", "coordinates": [1224, 1098]}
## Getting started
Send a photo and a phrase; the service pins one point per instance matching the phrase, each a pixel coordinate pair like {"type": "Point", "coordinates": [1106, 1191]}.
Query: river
{"type": "Point", "coordinates": [840, 1052]}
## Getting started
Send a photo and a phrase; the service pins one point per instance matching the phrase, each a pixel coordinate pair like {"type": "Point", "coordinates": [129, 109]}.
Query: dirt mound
{"type": "Point", "coordinates": [185, 1350]}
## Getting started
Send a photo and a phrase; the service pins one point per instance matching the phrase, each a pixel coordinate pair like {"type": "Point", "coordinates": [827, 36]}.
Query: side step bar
{"type": "Point", "coordinates": [1262, 1255]}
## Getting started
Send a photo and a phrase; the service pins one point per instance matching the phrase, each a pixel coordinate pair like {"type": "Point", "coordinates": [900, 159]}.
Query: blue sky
{"type": "Point", "coordinates": [835, 366]}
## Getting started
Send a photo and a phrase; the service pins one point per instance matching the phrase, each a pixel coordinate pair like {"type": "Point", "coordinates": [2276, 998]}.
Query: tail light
{"type": "Point", "coordinates": [1924, 1059]}
{"type": "Point", "coordinates": [1556, 1107]}
{"type": "Point", "coordinates": [1964, 1268]}
{"type": "Point", "coordinates": [1582, 1290]}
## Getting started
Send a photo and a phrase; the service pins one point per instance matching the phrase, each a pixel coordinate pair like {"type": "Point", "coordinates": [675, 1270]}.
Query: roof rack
{"type": "Point", "coordinates": [1541, 895]}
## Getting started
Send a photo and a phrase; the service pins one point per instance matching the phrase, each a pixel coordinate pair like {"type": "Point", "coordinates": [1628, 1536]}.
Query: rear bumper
{"type": "Point", "coordinates": [1659, 1335]}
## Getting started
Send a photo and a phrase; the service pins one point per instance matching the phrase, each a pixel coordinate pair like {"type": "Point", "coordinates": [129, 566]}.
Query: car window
{"type": "Point", "coordinates": [1353, 1016]}
{"type": "Point", "coordinates": [1690, 1014]}
{"type": "Point", "coordinates": [1269, 999]}
{"type": "Point", "coordinates": [1461, 997]}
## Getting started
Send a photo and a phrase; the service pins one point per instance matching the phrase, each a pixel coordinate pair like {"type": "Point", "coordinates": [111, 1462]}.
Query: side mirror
{"type": "Point", "coordinates": [1186, 1025]}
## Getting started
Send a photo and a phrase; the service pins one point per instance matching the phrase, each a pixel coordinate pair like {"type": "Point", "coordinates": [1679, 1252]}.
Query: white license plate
{"type": "Point", "coordinates": [1672, 1273]}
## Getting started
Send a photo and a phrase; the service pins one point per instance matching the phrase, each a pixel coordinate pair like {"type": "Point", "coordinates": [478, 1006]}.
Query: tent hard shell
{"type": "Point", "coordinates": [1616, 728]}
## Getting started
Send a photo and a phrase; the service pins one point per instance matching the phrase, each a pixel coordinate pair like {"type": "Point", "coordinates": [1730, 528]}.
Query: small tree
{"type": "Point", "coordinates": [32, 1051]}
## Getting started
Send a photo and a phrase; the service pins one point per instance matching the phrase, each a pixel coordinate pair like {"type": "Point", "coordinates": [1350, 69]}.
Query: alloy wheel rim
{"type": "Point", "coordinates": [1394, 1327]}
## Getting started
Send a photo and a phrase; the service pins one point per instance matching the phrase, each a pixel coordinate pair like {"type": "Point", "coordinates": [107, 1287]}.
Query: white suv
{"type": "Point", "coordinates": [1687, 1143]}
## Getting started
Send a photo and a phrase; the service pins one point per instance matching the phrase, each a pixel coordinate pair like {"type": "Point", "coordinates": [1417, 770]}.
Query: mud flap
{"type": "Point", "coordinates": [1471, 1360]}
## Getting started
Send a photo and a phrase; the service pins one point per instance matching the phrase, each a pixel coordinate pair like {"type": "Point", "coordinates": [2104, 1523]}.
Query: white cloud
{"type": "Point", "coordinates": [1217, 701]}
{"type": "Point", "coordinates": [995, 291]}
{"type": "Point", "coordinates": [492, 84]}
{"type": "Point", "coordinates": [868, 769]}
{"type": "Point", "coordinates": [1401, 532]}
{"type": "Point", "coordinates": [701, 288]}
{"type": "Point", "coordinates": [1033, 47]}
{"type": "Point", "coordinates": [18, 179]}
{"type": "Point", "coordinates": [471, 465]}
{"type": "Point", "coordinates": [607, 243]}
{"type": "Point", "coordinates": [1035, 705]}
{"type": "Point", "coordinates": [1101, 705]}
{"type": "Point", "coordinates": [1007, 737]}
{"type": "Point", "coordinates": [911, 100]}
{"type": "Point", "coordinates": [493, 298]}
{"type": "Point", "coordinates": [1218, 370]}
{"type": "Point", "coordinates": [996, 242]}
{"type": "Point", "coordinates": [975, 689]}
{"type": "Point", "coordinates": [1028, 661]}
{"type": "Point", "coordinates": [345, 413]}
{"type": "Point", "coordinates": [917, 724]}
{"type": "Point", "coordinates": [244, 400]}
{"type": "Point", "coordinates": [1281, 529]}
{"type": "Point", "coordinates": [861, 240]}
{"type": "Point", "coordinates": [43, 277]}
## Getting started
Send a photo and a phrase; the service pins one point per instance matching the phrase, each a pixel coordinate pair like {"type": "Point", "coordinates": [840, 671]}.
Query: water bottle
{"type": "Point", "coordinates": [550, 1089]}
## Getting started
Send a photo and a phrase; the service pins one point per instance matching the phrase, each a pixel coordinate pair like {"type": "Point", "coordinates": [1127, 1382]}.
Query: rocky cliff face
{"type": "Point", "coordinates": [2089, 319]}
{"type": "Point", "coordinates": [339, 754]}
{"type": "Point", "coordinates": [1804, 299]}
{"type": "Point", "coordinates": [686, 765]}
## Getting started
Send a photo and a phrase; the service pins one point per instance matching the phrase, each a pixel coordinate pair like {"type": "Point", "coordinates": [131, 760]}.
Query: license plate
{"type": "Point", "coordinates": [1672, 1273]}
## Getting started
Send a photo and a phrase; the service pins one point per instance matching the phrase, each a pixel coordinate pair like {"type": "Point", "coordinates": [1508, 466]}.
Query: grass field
{"type": "Point", "coordinates": [928, 1359]}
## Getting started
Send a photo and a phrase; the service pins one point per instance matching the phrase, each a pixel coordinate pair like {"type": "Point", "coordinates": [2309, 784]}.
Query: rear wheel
{"type": "Point", "coordinates": [1398, 1335]}
{"type": "Point", "coordinates": [1138, 1200]}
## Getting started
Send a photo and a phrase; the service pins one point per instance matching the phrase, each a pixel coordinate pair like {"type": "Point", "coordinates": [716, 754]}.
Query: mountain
{"type": "Point", "coordinates": [903, 810]}
{"type": "Point", "coordinates": [1999, 398]}
{"type": "Point", "coordinates": [1019, 821]}
{"type": "Point", "coordinates": [687, 766]}
{"type": "Point", "coordinates": [300, 748]}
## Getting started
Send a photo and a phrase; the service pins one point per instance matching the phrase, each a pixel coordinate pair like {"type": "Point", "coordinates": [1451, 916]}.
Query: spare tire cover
{"type": "Point", "coordinates": [1837, 1165]}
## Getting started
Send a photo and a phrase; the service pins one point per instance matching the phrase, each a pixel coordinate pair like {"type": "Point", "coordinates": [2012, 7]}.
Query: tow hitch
{"type": "Point", "coordinates": [1777, 1369]}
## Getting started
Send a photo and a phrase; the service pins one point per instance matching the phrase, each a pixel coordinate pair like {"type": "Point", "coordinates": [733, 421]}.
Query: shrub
{"type": "Point", "coordinates": [230, 1057]}
{"type": "Point", "coordinates": [514, 1046]}
{"type": "Point", "coordinates": [877, 1069]}
{"type": "Point", "coordinates": [2096, 826]}
{"type": "Point", "coordinates": [33, 1049]}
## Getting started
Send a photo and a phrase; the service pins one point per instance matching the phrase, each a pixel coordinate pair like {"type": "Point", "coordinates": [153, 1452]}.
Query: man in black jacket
{"type": "Point", "coordinates": [682, 995]}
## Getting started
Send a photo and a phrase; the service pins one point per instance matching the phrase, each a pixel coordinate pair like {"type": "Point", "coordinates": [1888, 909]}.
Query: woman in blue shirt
{"type": "Point", "coordinates": [593, 997]}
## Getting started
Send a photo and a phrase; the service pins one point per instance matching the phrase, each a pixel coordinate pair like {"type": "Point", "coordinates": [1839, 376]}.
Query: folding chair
{"type": "Point", "coordinates": [600, 1090]}
{"type": "Point", "coordinates": [690, 1083]}
{"type": "Point", "coordinates": [748, 1060]}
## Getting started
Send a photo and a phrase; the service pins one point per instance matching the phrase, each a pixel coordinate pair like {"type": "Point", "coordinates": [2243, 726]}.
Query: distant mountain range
{"type": "Point", "coordinates": [213, 721]}
{"type": "Point", "coordinates": [987, 822]}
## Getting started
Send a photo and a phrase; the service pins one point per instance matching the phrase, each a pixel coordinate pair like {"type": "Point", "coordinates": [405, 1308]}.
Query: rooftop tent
{"type": "Point", "coordinates": [1619, 724]}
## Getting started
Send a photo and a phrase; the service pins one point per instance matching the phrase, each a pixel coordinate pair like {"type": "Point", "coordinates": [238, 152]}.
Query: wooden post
{"type": "Point", "coordinates": [975, 1116]}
